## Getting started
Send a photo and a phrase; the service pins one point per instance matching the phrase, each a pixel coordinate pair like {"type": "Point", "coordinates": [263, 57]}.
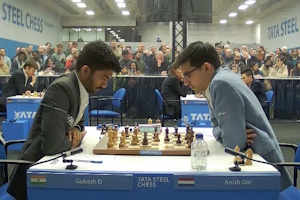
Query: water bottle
{"type": "Point", "coordinates": [199, 153]}
{"type": "Point", "coordinates": [17, 115]}
{"type": "Point", "coordinates": [185, 120]}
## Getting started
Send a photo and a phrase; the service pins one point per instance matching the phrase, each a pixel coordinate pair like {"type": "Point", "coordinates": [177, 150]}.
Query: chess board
{"type": "Point", "coordinates": [162, 148]}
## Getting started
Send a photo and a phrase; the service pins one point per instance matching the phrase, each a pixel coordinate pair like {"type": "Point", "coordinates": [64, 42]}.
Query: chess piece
{"type": "Point", "coordinates": [103, 131]}
{"type": "Point", "coordinates": [116, 128]}
{"type": "Point", "coordinates": [158, 121]}
{"type": "Point", "coordinates": [236, 167]}
{"type": "Point", "coordinates": [176, 130]}
{"type": "Point", "coordinates": [122, 141]}
{"type": "Point", "coordinates": [238, 158]}
{"type": "Point", "coordinates": [35, 94]}
{"type": "Point", "coordinates": [156, 139]}
{"type": "Point", "coordinates": [29, 95]}
{"type": "Point", "coordinates": [110, 142]}
{"type": "Point", "coordinates": [178, 141]}
{"type": "Point", "coordinates": [126, 131]}
{"type": "Point", "coordinates": [167, 139]}
{"type": "Point", "coordinates": [115, 136]}
{"type": "Point", "coordinates": [23, 95]}
{"type": "Point", "coordinates": [145, 140]}
{"type": "Point", "coordinates": [187, 131]}
{"type": "Point", "coordinates": [149, 121]}
{"type": "Point", "coordinates": [123, 134]}
{"type": "Point", "coordinates": [134, 140]}
{"type": "Point", "coordinates": [249, 154]}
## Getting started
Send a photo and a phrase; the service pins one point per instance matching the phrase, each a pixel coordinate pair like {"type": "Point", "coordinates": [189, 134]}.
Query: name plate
{"type": "Point", "coordinates": [228, 182]}
{"type": "Point", "coordinates": [80, 181]}
{"type": "Point", "coordinates": [150, 128]}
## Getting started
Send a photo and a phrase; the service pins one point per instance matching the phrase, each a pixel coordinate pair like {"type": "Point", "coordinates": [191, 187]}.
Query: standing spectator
{"type": "Point", "coordinates": [18, 62]}
{"type": "Point", "coordinates": [6, 60]}
{"type": "Point", "coordinates": [4, 69]}
{"type": "Point", "coordinates": [59, 59]}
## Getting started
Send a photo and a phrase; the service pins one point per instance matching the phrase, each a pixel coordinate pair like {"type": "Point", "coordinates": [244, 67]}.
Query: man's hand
{"type": "Point", "coordinates": [75, 136]}
{"type": "Point", "coordinates": [33, 80]}
{"type": "Point", "coordinates": [250, 136]}
{"type": "Point", "coordinates": [27, 92]}
{"type": "Point", "coordinates": [163, 73]}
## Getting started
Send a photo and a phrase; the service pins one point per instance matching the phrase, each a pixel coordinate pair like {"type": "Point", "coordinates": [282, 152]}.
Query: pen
{"type": "Point", "coordinates": [89, 161]}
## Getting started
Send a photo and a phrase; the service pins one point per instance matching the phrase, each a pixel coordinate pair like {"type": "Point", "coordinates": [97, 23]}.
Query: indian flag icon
{"type": "Point", "coordinates": [186, 181]}
{"type": "Point", "coordinates": [38, 180]}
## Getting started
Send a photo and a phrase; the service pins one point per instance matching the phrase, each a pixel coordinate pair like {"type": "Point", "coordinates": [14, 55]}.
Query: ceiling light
{"type": "Point", "coordinates": [99, 29]}
{"type": "Point", "coordinates": [108, 29]}
{"type": "Point", "coordinates": [119, 1]}
{"type": "Point", "coordinates": [250, 2]}
{"type": "Point", "coordinates": [81, 5]}
{"type": "Point", "coordinates": [243, 7]}
{"type": "Point", "coordinates": [76, 1]}
{"type": "Point", "coordinates": [223, 21]}
{"type": "Point", "coordinates": [111, 31]}
{"type": "Point", "coordinates": [249, 22]}
{"type": "Point", "coordinates": [233, 14]}
{"type": "Point", "coordinates": [121, 5]}
{"type": "Point", "coordinates": [125, 12]}
{"type": "Point", "coordinates": [89, 12]}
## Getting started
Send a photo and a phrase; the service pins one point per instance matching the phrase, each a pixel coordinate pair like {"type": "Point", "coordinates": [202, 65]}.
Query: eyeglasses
{"type": "Point", "coordinates": [188, 75]}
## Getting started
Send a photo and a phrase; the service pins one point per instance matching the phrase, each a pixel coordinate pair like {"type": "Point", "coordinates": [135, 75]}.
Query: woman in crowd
{"type": "Point", "coordinates": [133, 69]}
{"type": "Point", "coordinates": [50, 66]}
{"type": "Point", "coordinates": [279, 69]}
{"type": "Point", "coordinates": [172, 89]}
{"type": "Point", "coordinates": [4, 70]}
{"type": "Point", "coordinates": [254, 67]}
{"type": "Point", "coordinates": [296, 69]}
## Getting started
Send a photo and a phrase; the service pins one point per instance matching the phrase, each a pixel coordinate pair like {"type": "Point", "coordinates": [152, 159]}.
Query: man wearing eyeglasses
{"type": "Point", "coordinates": [235, 110]}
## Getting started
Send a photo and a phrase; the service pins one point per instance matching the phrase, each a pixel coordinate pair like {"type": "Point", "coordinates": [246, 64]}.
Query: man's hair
{"type": "Point", "coordinates": [31, 64]}
{"type": "Point", "coordinates": [59, 45]}
{"type": "Point", "coordinates": [197, 53]}
{"type": "Point", "coordinates": [22, 53]}
{"type": "Point", "coordinates": [248, 72]}
{"type": "Point", "coordinates": [3, 49]}
{"type": "Point", "coordinates": [173, 67]}
{"type": "Point", "coordinates": [98, 56]}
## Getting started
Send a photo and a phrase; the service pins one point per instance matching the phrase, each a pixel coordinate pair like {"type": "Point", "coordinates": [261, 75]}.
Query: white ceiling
{"type": "Point", "coordinates": [109, 8]}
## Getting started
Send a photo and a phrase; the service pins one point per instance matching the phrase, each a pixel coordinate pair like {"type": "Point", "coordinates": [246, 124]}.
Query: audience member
{"type": "Point", "coordinates": [255, 85]}
{"type": "Point", "coordinates": [172, 89]}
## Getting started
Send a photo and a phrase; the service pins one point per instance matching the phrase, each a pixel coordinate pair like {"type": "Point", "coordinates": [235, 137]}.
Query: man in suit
{"type": "Point", "coordinates": [58, 124]}
{"type": "Point", "coordinates": [233, 106]}
{"type": "Point", "coordinates": [255, 85]}
{"type": "Point", "coordinates": [21, 81]}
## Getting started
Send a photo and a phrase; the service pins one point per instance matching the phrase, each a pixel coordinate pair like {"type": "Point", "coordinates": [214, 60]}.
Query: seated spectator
{"type": "Point", "coordinates": [21, 81]}
{"type": "Point", "coordinates": [72, 59]}
{"type": "Point", "coordinates": [158, 66]}
{"type": "Point", "coordinates": [228, 58]}
{"type": "Point", "coordinates": [256, 86]}
{"type": "Point", "coordinates": [133, 68]}
{"type": "Point", "coordinates": [234, 69]}
{"type": "Point", "coordinates": [279, 69]}
{"type": "Point", "coordinates": [141, 65]}
{"type": "Point", "coordinates": [240, 65]}
{"type": "Point", "coordinates": [296, 70]}
{"type": "Point", "coordinates": [266, 68]}
{"type": "Point", "coordinates": [125, 60]}
{"type": "Point", "coordinates": [254, 68]}
{"type": "Point", "coordinates": [172, 89]}
{"type": "Point", "coordinates": [4, 69]}
{"type": "Point", "coordinates": [50, 67]}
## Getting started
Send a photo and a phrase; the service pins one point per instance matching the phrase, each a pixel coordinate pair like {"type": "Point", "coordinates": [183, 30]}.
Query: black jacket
{"type": "Point", "coordinates": [15, 86]}
{"type": "Point", "coordinates": [48, 134]}
{"type": "Point", "coordinates": [172, 89]}
{"type": "Point", "coordinates": [259, 90]}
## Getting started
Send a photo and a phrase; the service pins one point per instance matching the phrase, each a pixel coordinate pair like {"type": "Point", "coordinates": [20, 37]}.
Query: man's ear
{"type": "Point", "coordinates": [85, 70]}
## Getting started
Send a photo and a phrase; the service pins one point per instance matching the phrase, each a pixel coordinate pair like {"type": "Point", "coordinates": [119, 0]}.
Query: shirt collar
{"type": "Point", "coordinates": [26, 76]}
{"type": "Point", "coordinates": [83, 93]}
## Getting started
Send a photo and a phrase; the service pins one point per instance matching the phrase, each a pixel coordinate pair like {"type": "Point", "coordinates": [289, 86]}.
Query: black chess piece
{"type": "Point", "coordinates": [126, 131]}
{"type": "Point", "coordinates": [236, 167]}
{"type": "Point", "coordinates": [167, 139]}
{"type": "Point", "coordinates": [145, 140]}
{"type": "Point", "coordinates": [178, 141]}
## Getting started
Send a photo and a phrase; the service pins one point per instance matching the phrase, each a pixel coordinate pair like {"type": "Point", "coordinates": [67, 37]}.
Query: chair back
{"type": "Point", "coordinates": [119, 94]}
{"type": "Point", "coordinates": [160, 99]}
{"type": "Point", "coordinates": [297, 156]}
{"type": "Point", "coordinates": [269, 95]}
